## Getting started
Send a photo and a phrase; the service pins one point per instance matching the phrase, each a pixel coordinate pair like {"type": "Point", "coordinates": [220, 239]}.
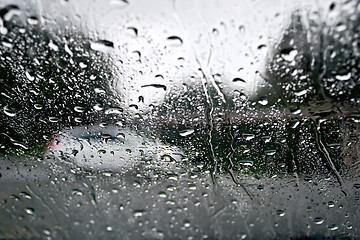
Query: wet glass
{"type": "Point", "coordinates": [179, 119]}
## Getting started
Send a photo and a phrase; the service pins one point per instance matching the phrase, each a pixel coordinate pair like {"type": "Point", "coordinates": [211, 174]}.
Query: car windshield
{"type": "Point", "coordinates": [135, 119]}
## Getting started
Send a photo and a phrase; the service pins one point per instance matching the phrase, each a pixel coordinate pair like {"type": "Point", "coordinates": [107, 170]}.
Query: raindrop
{"type": "Point", "coordinates": [77, 192]}
{"type": "Point", "coordinates": [280, 212]}
{"type": "Point", "coordinates": [133, 32]}
{"type": "Point", "coordinates": [120, 3]}
{"type": "Point", "coordinates": [54, 119]}
{"type": "Point", "coordinates": [248, 136]}
{"type": "Point", "coordinates": [246, 162]}
{"type": "Point", "coordinates": [192, 186]}
{"type": "Point", "coordinates": [239, 80]}
{"type": "Point", "coordinates": [9, 11]}
{"type": "Point", "coordinates": [25, 195]}
{"type": "Point", "coordinates": [106, 136]}
{"type": "Point", "coordinates": [137, 56]}
{"type": "Point", "coordinates": [99, 90]}
{"type": "Point", "coordinates": [9, 112]}
{"type": "Point", "coordinates": [175, 41]}
{"type": "Point", "coordinates": [186, 132]}
{"type": "Point", "coordinates": [139, 213]}
{"type": "Point", "coordinates": [331, 204]}
{"type": "Point", "coordinates": [120, 135]}
{"type": "Point", "coordinates": [113, 111]}
{"type": "Point", "coordinates": [261, 46]}
{"type": "Point", "coordinates": [318, 220]}
{"type": "Point", "coordinates": [103, 46]}
{"type": "Point", "coordinates": [32, 20]}
{"type": "Point", "coordinates": [47, 232]}
{"type": "Point", "coordinates": [343, 77]}
{"type": "Point", "coordinates": [28, 76]}
{"type": "Point", "coordinates": [155, 86]}
{"type": "Point", "coordinates": [300, 93]}
{"type": "Point", "coordinates": [98, 107]}
{"type": "Point", "coordinates": [186, 223]}
{"type": "Point", "coordinates": [78, 109]}
{"type": "Point", "coordinates": [82, 65]}
{"type": "Point", "coordinates": [53, 46]}
{"type": "Point", "coordinates": [263, 101]}
{"type": "Point", "coordinates": [162, 194]}
{"type": "Point", "coordinates": [288, 54]}
{"type": "Point", "coordinates": [270, 152]}
{"type": "Point", "coordinates": [333, 227]}
{"type": "Point", "coordinates": [30, 211]}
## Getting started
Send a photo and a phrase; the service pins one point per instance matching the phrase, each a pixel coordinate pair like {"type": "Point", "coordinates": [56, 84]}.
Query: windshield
{"type": "Point", "coordinates": [179, 119]}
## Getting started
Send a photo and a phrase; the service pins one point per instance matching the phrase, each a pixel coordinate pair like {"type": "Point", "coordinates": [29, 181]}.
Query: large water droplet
{"type": "Point", "coordinates": [175, 41]}
{"type": "Point", "coordinates": [343, 77]}
{"type": "Point", "coordinates": [186, 132]}
{"type": "Point", "coordinates": [289, 54]}
{"type": "Point", "coordinates": [9, 112]}
{"type": "Point", "coordinates": [103, 46]}
{"type": "Point", "coordinates": [318, 220]}
{"type": "Point", "coordinates": [30, 211]}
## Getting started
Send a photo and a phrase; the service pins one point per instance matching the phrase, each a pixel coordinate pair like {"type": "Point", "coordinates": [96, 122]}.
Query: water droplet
{"type": "Point", "coordinates": [300, 93]}
{"type": "Point", "coordinates": [9, 11]}
{"type": "Point", "coordinates": [289, 54]}
{"type": "Point", "coordinates": [139, 213]}
{"type": "Point", "coordinates": [9, 112]}
{"type": "Point", "coordinates": [246, 162]}
{"type": "Point", "coordinates": [32, 20]}
{"type": "Point", "coordinates": [120, 3]}
{"type": "Point", "coordinates": [239, 80]}
{"type": "Point", "coordinates": [28, 76]}
{"type": "Point", "coordinates": [280, 212]}
{"type": "Point", "coordinates": [343, 77]}
{"type": "Point", "coordinates": [248, 136]}
{"type": "Point", "coordinates": [175, 41]}
{"type": "Point", "coordinates": [30, 211]}
{"type": "Point", "coordinates": [47, 232]}
{"type": "Point", "coordinates": [270, 152]}
{"type": "Point", "coordinates": [78, 109]}
{"type": "Point", "coordinates": [25, 195]}
{"type": "Point", "coordinates": [98, 107]}
{"type": "Point", "coordinates": [333, 227]}
{"type": "Point", "coordinates": [53, 46]}
{"type": "Point", "coordinates": [77, 192]}
{"type": "Point", "coordinates": [263, 101]}
{"type": "Point", "coordinates": [113, 111]}
{"type": "Point", "coordinates": [106, 136]}
{"type": "Point", "coordinates": [341, 27]}
{"type": "Point", "coordinates": [162, 194]}
{"type": "Point", "coordinates": [82, 65]}
{"type": "Point", "coordinates": [331, 204]}
{"type": "Point", "coordinates": [171, 188]}
{"type": "Point", "coordinates": [54, 119]}
{"type": "Point", "coordinates": [186, 223]}
{"type": "Point", "coordinates": [133, 32]}
{"type": "Point", "coordinates": [186, 132]}
{"type": "Point", "coordinates": [192, 186]}
{"type": "Point", "coordinates": [318, 220]}
{"type": "Point", "coordinates": [155, 86]}
{"type": "Point", "coordinates": [103, 46]}
{"type": "Point", "coordinates": [99, 90]}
